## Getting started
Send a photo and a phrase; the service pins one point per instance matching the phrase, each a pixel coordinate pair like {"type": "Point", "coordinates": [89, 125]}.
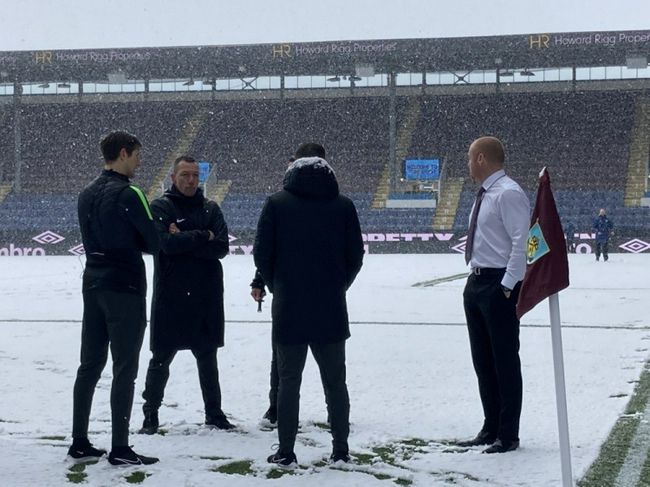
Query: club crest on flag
{"type": "Point", "coordinates": [537, 246]}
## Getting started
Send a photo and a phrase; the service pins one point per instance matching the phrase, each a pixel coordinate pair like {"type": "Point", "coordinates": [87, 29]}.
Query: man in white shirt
{"type": "Point", "coordinates": [496, 253]}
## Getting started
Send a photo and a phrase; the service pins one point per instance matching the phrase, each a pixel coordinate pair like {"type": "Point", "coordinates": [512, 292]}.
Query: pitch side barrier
{"type": "Point", "coordinates": [43, 242]}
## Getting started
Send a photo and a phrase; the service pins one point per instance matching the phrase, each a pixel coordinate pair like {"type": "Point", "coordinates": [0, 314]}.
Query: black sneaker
{"type": "Point", "coordinates": [84, 451]}
{"type": "Point", "coordinates": [150, 423]}
{"type": "Point", "coordinates": [283, 460]}
{"type": "Point", "coordinates": [271, 416]}
{"type": "Point", "coordinates": [218, 422]}
{"type": "Point", "coordinates": [340, 456]}
{"type": "Point", "coordinates": [125, 456]}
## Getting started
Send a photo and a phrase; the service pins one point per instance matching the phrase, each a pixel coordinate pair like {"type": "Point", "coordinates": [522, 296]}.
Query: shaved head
{"type": "Point", "coordinates": [491, 148]}
{"type": "Point", "coordinates": [485, 157]}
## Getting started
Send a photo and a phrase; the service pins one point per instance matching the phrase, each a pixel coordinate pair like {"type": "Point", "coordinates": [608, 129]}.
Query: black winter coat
{"type": "Point", "coordinates": [116, 227]}
{"type": "Point", "coordinates": [309, 249]}
{"type": "Point", "coordinates": [187, 309]}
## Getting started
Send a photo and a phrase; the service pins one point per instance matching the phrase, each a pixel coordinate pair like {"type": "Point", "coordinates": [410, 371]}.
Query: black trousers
{"type": "Point", "coordinates": [158, 374]}
{"type": "Point", "coordinates": [494, 341]}
{"type": "Point", "coordinates": [602, 248]}
{"type": "Point", "coordinates": [274, 379]}
{"type": "Point", "coordinates": [117, 320]}
{"type": "Point", "coordinates": [330, 358]}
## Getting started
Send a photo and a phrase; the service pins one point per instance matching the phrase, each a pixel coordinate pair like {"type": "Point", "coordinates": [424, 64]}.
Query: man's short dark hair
{"type": "Point", "coordinates": [184, 158]}
{"type": "Point", "coordinates": [310, 149]}
{"type": "Point", "coordinates": [114, 142]}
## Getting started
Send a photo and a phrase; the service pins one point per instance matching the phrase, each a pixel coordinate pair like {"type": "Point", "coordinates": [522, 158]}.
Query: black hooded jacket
{"type": "Point", "coordinates": [308, 250]}
{"type": "Point", "coordinates": [116, 227]}
{"type": "Point", "coordinates": [187, 309]}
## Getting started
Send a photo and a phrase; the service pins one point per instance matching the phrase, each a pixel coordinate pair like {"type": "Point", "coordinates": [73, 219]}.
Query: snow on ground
{"type": "Point", "coordinates": [409, 375]}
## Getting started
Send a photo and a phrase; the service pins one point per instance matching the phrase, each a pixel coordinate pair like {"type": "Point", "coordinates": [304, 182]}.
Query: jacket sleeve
{"type": "Point", "coordinates": [218, 247]}
{"type": "Point", "coordinates": [177, 243]}
{"type": "Point", "coordinates": [264, 247]}
{"type": "Point", "coordinates": [137, 211]}
{"type": "Point", "coordinates": [353, 245]}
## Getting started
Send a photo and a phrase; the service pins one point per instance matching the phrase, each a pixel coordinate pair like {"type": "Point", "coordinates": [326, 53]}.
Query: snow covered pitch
{"type": "Point", "coordinates": [410, 378]}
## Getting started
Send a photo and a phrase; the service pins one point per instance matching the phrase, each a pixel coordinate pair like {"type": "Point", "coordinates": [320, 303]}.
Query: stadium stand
{"type": "Point", "coordinates": [583, 138]}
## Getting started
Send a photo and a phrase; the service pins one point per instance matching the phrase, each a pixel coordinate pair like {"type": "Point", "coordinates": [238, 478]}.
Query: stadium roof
{"type": "Point", "coordinates": [530, 51]}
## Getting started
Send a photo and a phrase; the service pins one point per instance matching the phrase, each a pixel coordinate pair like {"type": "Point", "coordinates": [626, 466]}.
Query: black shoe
{"type": "Point", "coordinates": [83, 451]}
{"type": "Point", "coordinates": [500, 446]}
{"type": "Point", "coordinates": [124, 456]}
{"type": "Point", "coordinates": [340, 456]}
{"type": "Point", "coordinates": [150, 423]}
{"type": "Point", "coordinates": [218, 422]}
{"type": "Point", "coordinates": [483, 438]}
{"type": "Point", "coordinates": [283, 460]}
{"type": "Point", "coordinates": [271, 415]}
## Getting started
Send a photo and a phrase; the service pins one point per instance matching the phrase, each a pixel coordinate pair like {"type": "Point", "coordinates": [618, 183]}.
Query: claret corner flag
{"type": "Point", "coordinates": [547, 271]}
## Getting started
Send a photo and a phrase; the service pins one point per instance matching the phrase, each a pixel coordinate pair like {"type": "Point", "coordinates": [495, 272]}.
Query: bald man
{"type": "Point", "coordinates": [496, 253]}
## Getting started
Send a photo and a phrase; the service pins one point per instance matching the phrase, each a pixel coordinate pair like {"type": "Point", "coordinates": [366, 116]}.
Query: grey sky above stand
{"type": "Point", "coordinates": [77, 24]}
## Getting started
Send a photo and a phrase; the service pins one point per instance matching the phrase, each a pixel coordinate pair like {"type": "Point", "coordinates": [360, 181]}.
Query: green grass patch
{"type": "Point", "coordinates": [611, 457]}
{"type": "Point", "coordinates": [76, 477]}
{"type": "Point", "coordinates": [242, 467]}
{"type": "Point", "coordinates": [322, 425]}
{"type": "Point", "coordinates": [403, 481]}
{"type": "Point", "coordinates": [364, 458]}
{"type": "Point", "coordinates": [215, 458]}
{"type": "Point", "coordinates": [416, 442]}
{"type": "Point", "coordinates": [162, 431]}
{"type": "Point", "coordinates": [137, 477]}
{"type": "Point", "coordinates": [77, 474]}
{"type": "Point", "coordinates": [53, 438]}
{"type": "Point", "coordinates": [386, 453]}
{"type": "Point", "coordinates": [644, 478]}
{"type": "Point", "coordinates": [276, 473]}
{"type": "Point", "coordinates": [381, 476]}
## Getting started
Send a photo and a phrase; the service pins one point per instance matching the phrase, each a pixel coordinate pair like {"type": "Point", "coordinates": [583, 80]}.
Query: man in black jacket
{"type": "Point", "coordinates": [187, 310]}
{"type": "Point", "coordinates": [309, 249]}
{"type": "Point", "coordinates": [116, 227]}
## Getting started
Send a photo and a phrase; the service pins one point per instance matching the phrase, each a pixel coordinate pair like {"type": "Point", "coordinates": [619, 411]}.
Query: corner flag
{"type": "Point", "coordinates": [547, 271]}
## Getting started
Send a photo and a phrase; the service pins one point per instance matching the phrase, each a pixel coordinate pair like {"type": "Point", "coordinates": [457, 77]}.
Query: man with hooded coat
{"type": "Point", "coordinates": [309, 249]}
{"type": "Point", "coordinates": [187, 311]}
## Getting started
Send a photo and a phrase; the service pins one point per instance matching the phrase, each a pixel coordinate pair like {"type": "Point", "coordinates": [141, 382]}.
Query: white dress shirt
{"type": "Point", "coordinates": [502, 228]}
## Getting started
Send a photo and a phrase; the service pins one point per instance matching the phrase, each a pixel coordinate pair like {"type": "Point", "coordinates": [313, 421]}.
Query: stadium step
{"type": "Point", "coordinates": [635, 184]}
{"type": "Point", "coordinates": [183, 144]}
{"type": "Point", "coordinates": [448, 204]}
{"type": "Point", "coordinates": [5, 189]}
{"type": "Point", "coordinates": [404, 136]}
{"type": "Point", "coordinates": [220, 191]}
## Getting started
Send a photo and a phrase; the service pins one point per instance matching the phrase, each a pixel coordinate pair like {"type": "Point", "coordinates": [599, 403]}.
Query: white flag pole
{"type": "Point", "coordinates": [560, 390]}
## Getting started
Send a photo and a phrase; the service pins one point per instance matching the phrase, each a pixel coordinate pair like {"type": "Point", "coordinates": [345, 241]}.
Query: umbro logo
{"type": "Point", "coordinates": [48, 237]}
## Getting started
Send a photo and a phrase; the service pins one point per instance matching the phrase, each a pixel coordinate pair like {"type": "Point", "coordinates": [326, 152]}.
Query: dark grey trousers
{"type": "Point", "coordinates": [330, 358]}
{"type": "Point", "coordinates": [117, 320]}
{"type": "Point", "coordinates": [158, 374]}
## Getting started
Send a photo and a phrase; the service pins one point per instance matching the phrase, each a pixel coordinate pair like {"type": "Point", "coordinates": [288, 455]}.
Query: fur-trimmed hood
{"type": "Point", "coordinates": [311, 177]}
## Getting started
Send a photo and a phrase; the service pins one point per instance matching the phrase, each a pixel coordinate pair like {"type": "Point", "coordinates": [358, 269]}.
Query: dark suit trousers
{"type": "Point", "coordinates": [330, 358]}
{"type": "Point", "coordinates": [494, 340]}
{"type": "Point", "coordinates": [117, 320]}
{"type": "Point", "coordinates": [158, 374]}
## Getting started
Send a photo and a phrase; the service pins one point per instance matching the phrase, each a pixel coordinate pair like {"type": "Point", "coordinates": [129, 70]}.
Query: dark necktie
{"type": "Point", "coordinates": [469, 243]}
